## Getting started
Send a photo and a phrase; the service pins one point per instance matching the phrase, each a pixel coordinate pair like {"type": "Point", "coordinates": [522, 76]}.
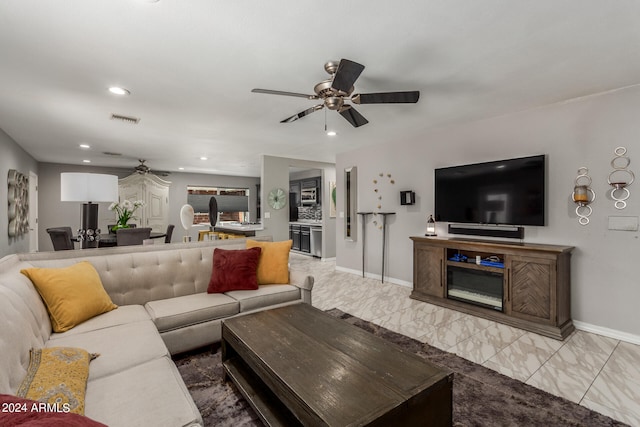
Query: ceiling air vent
{"type": "Point", "coordinates": [126, 119]}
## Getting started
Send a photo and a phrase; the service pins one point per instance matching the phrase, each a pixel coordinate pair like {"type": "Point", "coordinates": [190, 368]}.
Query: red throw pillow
{"type": "Point", "coordinates": [234, 270]}
{"type": "Point", "coordinates": [17, 411]}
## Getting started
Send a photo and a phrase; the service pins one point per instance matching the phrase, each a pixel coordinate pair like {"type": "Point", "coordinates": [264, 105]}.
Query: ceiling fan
{"type": "Point", "coordinates": [338, 89]}
{"type": "Point", "coordinates": [143, 169]}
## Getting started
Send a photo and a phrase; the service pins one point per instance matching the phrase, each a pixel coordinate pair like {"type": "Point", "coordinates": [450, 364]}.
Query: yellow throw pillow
{"type": "Point", "coordinates": [57, 376]}
{"type": "Point", "coordinates": [274, 261]}
{"type": "Point", "coordinates": [72, 294]}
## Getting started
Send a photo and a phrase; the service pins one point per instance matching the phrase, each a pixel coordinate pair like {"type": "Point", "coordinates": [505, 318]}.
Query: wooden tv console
{"type": "Point", "coordinates": [536, 285]}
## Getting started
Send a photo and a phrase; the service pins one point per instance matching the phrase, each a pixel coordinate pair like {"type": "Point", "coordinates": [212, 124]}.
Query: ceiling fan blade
{"type": "Point", "coordinates": [279, 92]}
{"type": "Point", "coordinates": [346, 75]}
{"type": "Point", "coordinates": [351, 114]}
{"type": "Point", "coordinates": [386, 98]}
{"type": "Point", "coordinates": [302, 114]}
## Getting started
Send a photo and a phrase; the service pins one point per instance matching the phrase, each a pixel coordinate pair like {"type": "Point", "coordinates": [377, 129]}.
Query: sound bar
{"type": "Point", "coordinates": [510, 232]}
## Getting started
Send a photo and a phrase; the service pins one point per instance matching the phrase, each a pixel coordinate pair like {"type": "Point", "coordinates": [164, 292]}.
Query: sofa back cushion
{"type": "Point", "coordinates": [25, 323]}
{"type": "Point", "coordinates": [139, 274]}
{"type": "Point", "coordinates": [142, 277]}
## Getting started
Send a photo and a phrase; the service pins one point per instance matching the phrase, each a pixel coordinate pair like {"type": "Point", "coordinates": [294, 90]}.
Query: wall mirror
{"type": "Point", "coordinates": [350, 200]}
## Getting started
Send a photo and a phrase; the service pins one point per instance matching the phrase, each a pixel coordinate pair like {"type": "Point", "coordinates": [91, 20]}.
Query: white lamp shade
{"type": "Point", "coordinates": [88, 187]}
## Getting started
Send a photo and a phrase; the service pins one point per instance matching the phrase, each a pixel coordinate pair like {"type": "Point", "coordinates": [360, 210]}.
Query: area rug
{"type": "Point", "coordinates": [481, 397]}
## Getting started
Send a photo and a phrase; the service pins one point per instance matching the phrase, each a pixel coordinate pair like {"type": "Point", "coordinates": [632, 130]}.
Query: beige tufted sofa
{"type": "Point", "coordinates": [163, 310]}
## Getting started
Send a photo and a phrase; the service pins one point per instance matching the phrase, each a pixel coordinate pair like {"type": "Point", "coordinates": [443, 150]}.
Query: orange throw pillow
{"type": "Point", "coordinates": [72, 294]}
{"type": "Point", "coordinates": [273, 267]}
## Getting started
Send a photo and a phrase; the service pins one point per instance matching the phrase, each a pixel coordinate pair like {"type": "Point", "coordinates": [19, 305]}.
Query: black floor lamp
{"type": "Point", "coordinates": [88, 188]}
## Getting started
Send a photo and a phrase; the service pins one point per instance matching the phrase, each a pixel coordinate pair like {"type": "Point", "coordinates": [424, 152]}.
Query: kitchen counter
{"type": "Point", "coordinates": [248, 230]}
{"type": "Point", "coordinates": [308, 223]}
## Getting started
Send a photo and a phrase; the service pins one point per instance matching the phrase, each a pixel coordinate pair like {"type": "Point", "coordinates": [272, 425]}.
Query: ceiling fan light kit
{"type": "Point", "coordinates": [116, 90]}
{"type": "Point", "coordinates": [338, 89]}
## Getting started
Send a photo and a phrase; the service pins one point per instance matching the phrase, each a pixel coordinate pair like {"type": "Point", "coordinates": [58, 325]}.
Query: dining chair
{"type": "Point", "coordinates": [167, 238]}
{"type": "Point", "coordinates": [61, 237]}
{"type": "Point", "coordinates": [132, 236]}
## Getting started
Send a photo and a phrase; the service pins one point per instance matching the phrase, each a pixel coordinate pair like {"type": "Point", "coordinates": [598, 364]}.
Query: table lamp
{"type": "Point", "coordinates": [431, 226]}
{"type": "Point", "coordinates": [88, 188]}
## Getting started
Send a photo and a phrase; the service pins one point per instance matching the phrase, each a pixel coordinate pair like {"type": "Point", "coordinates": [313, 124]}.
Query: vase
{"type": "Point", "coordinates": [119, 226]}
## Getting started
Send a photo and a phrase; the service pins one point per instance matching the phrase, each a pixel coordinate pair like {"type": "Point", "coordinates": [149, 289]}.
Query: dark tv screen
{"type": "Point", "coordinates": [502, 192]}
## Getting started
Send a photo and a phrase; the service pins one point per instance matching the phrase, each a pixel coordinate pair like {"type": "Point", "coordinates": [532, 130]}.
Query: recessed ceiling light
{"type": "Point", "coordinates": [331, 133]}
{"type": "Point", "coordinates": [203, 158]}
{"type": "Point", "coordinates": [85, 146]}
{"type": "Point", "coordinates": [118, 90]}
{"type": "Point", "coordinates": [180, 169]}
{"type": "Point", "coordinates": [86, 161]}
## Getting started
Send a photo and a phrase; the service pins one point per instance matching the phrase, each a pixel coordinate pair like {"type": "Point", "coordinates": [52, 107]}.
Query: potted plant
{"type": "Point", "coordinates": [124, 212]}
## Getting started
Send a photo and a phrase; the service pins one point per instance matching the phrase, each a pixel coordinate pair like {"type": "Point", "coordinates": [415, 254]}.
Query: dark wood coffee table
{"type": "Point", "coordinates": [297, 365]}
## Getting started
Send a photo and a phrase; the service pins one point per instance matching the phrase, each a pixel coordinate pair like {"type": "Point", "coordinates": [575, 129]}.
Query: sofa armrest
{"type": "Point", "coordinates": [304, 281]}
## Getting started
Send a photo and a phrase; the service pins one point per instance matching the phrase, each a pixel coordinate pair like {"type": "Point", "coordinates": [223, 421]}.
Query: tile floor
{"type": "Point", "coordinates": [600, 373]}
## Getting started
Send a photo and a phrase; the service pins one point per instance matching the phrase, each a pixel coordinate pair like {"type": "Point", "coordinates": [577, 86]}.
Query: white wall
{"type": "Point", "coordinates": [12, 156]}
{"type": "Point", "coordinates": [583, 132]}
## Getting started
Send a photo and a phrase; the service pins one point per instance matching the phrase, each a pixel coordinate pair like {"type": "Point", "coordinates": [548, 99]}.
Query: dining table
{"type": "Point", "coordinates": [109, 239]}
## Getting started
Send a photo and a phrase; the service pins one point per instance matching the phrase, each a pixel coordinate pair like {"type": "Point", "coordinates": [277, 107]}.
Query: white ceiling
{"type": "Point", "coordinates": [191, 64]}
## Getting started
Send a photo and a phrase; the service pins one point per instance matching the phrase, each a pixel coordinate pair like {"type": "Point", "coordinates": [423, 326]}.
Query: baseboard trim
{"type": "Point", "coordinates": [606, 332]}
{"type": "Point", "coordinates": [375, 276]}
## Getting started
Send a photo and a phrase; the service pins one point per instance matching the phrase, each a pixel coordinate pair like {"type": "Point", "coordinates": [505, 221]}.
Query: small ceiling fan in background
{"type": "Point", "coordinates": [143, 169]}
{"type": "Point", "coordinates": [338, 89]}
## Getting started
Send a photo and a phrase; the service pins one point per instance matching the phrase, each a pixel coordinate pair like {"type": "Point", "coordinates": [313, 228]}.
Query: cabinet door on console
{"type": "Point", "coordinates": [531, 288]}
{"type": "Point", "coordinates": [428, 267]}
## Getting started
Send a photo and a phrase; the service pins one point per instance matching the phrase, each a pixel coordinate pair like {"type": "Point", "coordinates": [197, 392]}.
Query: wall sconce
{"type": "Point", "coordinates": [583, 195]}
{"type": "Point", "coordinates": [620, 164]}
{"type": "Point", "coordinates": [88, 188]}
{"type": "Point", "coordinates": [407, 198]}
{"type": "Point", "coordinates": [431, 226]}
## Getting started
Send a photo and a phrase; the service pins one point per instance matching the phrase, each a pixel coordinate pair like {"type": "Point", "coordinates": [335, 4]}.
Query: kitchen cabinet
{"type": "Point", "coordinates": [294, 235]}
{"type": "Point", "coordinates": [297, 187]}
{"type": "Point", "coordinates": [305, 239]}
{"type": "Point", "coordinates": [310, 183]}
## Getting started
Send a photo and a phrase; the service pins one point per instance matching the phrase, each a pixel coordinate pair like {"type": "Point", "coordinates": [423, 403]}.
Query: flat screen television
{"type": "Point", "coordinates": [509, 192]}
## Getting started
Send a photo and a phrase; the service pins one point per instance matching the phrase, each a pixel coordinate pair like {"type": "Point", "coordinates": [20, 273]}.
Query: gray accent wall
{"type": "Point", "coordinates": [275, 174]}
{"type": "Point", "coordinates": [54, 213]}
{"type": "Point", "coordinates": [605, 290]}
{"type": "Point", "coordinates": [12, 156]}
